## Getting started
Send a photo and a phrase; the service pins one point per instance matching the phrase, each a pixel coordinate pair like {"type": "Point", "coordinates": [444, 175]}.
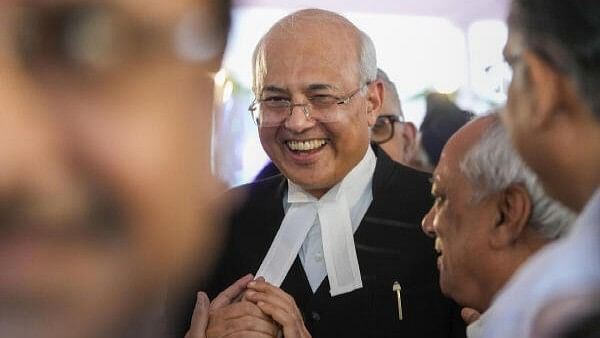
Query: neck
{"type": "Point", "coordinates": [585, 166]}
{"type": "Point", "coordinates": [318, 193]}
{"type": "Point", "coordinates": [505, 264]}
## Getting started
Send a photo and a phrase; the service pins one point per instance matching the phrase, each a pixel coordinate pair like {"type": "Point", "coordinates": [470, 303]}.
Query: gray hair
{"type": "Point", "coordinates": [368, 59]}
{"type": "Point", "coordinates": [390, 90]}
{"type": "Point", "coordinates": [367, 67]}
{"type": "Point", "coordinates": [493, 165]}
{"type": "Point", "coordinates": [565, 34]}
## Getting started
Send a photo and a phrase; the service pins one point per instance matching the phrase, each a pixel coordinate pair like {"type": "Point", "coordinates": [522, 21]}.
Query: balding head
{"type": "Point", "coordinates": [490, 213]}
{"type": "Point", "coordinates": [320, 30]}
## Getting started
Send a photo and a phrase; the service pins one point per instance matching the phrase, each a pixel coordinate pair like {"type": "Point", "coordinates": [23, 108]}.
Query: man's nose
{"type": "Point", "coordinates": [299, 119]}
{"type": "Point", "coordinates": [427, 223]}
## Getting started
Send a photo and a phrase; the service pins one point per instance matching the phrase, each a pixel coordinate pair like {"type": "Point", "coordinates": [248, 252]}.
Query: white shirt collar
{"type": "Point", "coordinates": [338, 213]}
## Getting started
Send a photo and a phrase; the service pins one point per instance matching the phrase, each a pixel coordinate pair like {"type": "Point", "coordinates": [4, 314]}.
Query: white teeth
{"type": "Point", "coordinates": [438, 245]}
{"type": "Point", "coordinates": [305, 145]}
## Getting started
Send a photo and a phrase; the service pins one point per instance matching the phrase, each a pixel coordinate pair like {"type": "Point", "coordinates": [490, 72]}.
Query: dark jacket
{"type": "Point", "coordinates": [390, 246]}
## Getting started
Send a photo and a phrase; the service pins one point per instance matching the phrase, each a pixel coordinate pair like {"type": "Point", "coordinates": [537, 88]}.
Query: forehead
{"type": "Point", "coordinates": [448, 173]}
{"type": "Point", "coordinates": [456, 149]}
{"type": "Point", "coordinates": [313, 51]}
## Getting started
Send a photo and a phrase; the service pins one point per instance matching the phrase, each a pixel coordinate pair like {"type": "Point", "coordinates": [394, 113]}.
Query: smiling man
{"type": "Point", "coordinates": [338, 232]}
{"type": "Point", "coordinates": [489, 216]}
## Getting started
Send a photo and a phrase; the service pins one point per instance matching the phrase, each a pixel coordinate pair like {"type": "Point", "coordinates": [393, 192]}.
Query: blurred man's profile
{"type": "Point", "coordinates": [105, 183]}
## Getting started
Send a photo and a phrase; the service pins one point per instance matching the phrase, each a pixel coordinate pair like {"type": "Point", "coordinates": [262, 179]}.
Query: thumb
{"type": "Point", "coordinates": [199, 317]}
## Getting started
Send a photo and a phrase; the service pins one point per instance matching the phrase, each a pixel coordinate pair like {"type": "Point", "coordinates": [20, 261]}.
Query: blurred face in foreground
{"type": "Point", "coordinates": [105, 183]}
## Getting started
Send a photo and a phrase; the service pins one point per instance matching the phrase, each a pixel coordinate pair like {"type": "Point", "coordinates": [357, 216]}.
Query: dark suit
{"type": "Point", "coordinates": [390, 247]}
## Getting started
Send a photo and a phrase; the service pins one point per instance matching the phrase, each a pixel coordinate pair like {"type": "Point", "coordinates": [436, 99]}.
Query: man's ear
{"type": "Point", "coordinates": [374, 100]}
{"type": "Point", "coordinates": [409, 139]}
{"type": "Point", "coordinates": [548, 87]}
{"type": "Point", "coordinates": [514, 208]}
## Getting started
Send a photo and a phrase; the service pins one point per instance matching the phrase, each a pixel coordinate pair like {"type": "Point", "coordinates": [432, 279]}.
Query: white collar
{"type": "Point", "coordinates": [336, 212]}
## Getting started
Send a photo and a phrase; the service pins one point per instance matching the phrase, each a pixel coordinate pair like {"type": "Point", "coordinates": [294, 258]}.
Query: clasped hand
{"type": "Point", "coordinates": [247, 309]}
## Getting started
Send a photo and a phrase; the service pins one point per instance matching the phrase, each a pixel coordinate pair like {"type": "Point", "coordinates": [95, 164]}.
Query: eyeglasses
{"type": "Point", "coordinates": [383, 129]}
{"type": "Point", "coordinates": [100, 39]}
{"type": "Point", "coordinates": [273, 111]}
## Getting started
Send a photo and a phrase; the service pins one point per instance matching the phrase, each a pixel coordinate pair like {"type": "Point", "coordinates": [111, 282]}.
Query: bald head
{"type": "Point", "coordinates": [490, 213]}
{"type": "Point", "coordinates": [468, 136]}
{"type": "Point", "coordinates": [321, 33]}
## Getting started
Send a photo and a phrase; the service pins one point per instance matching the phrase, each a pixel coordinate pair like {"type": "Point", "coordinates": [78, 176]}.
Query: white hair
{"type": "Point", "coordinates": [367, 67]}
{"type": "Point", "coordinates": [368, 59]}
{"type": "Point", "coordinates": [493, 165]}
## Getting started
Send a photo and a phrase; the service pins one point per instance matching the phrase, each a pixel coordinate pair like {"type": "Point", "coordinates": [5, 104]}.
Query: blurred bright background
{"type": "Point", "coordinates": [448, 46]}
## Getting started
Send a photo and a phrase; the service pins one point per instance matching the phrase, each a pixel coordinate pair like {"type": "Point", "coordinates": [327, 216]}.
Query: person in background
{"type": "Point", "coordinates": [553, 117]}
{"type": "Point", "coordinates": [490, 215]}
{"type": "Point", "coordinates": [106, 194]}
{"type": "Point", "coordinates": [442, 119]}
{"type": "Point", "coordinates": [391, 131]}
{"type": "Point", "coordinates": [336, 237]}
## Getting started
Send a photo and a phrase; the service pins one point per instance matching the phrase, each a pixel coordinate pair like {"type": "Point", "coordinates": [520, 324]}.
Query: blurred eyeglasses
{"type": "Point", "coordinates": [272, 111]}
{"type": "Point", "coordinates": [93, 39]}
{"type": "Point", "coordinates": [384, 128]}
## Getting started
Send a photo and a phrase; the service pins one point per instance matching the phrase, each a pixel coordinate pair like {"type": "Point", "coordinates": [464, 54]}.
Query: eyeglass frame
{"type": "Point", "coordinates": [305, 106]}
{"type": "Point", "coordinates": [391, 119]}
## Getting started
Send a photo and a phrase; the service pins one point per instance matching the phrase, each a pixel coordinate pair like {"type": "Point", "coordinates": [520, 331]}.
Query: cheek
{"type": "Point", "coordinates": [158, 165]}
{"type": "Point", "coordinates": [268, 140]}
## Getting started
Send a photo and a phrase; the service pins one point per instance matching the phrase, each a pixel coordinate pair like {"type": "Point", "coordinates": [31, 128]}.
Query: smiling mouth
{"type": "Point", "coordinates": [438, 246]}
{"type": "Point", "coordinates": [438, 250]}
{"type": "Point", "coordinates": [306, 146]}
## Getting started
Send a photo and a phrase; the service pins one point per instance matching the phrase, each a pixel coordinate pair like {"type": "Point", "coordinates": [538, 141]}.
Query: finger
{"type": "Point", "coordinates": [245, 334]}
{"type": "Point", "coordinates": [238, 310]}
{"type": "Point", "coordinates": [260, 279]}
{"type": "Point", "coordinates": [263, 291]}
{"type": "Point", "coordinates": [242, 328]}
{"type": "Point", "coordinates": [469, 315]}
{"type": "Point", "coordinates": [292, 326]}
{"type": "Point", "coordinates": [272, 299]}
{"type": "Point", "coordinates": [230, 294]}
{"type": "Point", "coordinates": [279, 303]}
{"type": "Point", "coordinates": [199, 317]}
{"type": "Point", "coordinates": [240, 317]}
{"type": "Point", "coordinates": [265, 287]}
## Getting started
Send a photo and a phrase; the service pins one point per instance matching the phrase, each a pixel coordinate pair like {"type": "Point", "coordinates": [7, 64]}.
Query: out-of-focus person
{"type": "Point", "coordinates": [490, 215]}
{"type": "Point", "coordinates": [442, 119]}
{"type": "Point", "coordinates": [106, 194]}
{"type": "Point", "coordinates": [391, 131]}
{"type": "Point", "coordinates": [553, 115]}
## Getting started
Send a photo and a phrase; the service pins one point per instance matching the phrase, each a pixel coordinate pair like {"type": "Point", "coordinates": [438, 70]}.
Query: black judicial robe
{"type": "Point", "coordinates": [390, 245]}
